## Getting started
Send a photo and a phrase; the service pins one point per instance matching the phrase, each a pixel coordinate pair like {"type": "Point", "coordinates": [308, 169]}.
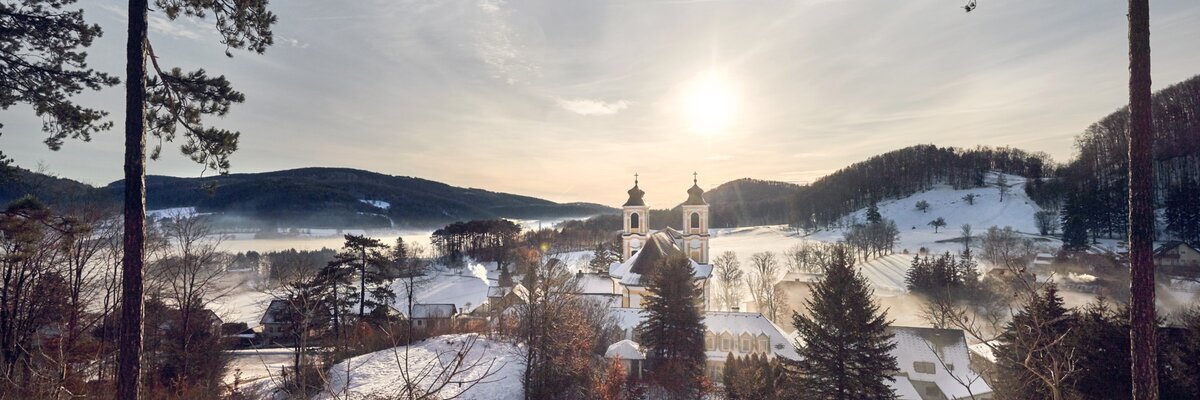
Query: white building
{"type": "Point", "coordinates": [935, 364]}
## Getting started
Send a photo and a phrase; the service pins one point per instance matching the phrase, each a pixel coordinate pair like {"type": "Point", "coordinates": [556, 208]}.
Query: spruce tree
{"type": "Point", "coordinates": [673, 331]}
{"type": "Point", "coordinates": [844, 346]}
{"type": "Point", "coordinates": [1183, 213]}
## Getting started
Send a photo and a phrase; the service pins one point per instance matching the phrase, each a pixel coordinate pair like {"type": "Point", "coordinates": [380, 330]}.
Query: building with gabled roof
{"type": "Point", "coordinates": [935, 364]}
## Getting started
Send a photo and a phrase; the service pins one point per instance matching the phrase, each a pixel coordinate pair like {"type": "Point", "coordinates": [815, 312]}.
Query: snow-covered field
{"type": "Point", "coordinates": [379, 374]}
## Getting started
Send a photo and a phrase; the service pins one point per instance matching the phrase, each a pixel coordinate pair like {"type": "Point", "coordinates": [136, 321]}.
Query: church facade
{"type": "Point", "coordinates": [642, 250]}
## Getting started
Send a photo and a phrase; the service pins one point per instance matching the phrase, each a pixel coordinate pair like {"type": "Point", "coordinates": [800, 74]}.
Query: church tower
{"type": "Point", "coordinates": [695, 223]}
{"type": "Point", "coordinates": [637, 225]}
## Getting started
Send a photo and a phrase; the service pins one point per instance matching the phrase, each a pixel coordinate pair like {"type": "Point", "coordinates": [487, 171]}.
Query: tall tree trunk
{"type": "Point", "coordinates": [1141, 205]}
{"type": "Point", "coordinates": [130, 336]}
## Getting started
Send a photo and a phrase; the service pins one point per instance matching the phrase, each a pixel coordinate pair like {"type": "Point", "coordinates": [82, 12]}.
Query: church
{"type": "Point", "coordinates": [642, 250]}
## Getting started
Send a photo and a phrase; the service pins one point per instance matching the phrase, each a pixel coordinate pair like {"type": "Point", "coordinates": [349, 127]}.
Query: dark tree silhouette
{"type": "Point", "coordinates": [161, 104]}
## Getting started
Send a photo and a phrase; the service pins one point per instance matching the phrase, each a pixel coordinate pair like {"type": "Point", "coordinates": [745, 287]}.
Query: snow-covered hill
{"type": "Point", "coordinates": [945, 202]}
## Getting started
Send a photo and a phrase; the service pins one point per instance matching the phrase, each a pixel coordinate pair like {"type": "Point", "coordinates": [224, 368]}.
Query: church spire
{"type": "Point", "coordinates": [635, 194]}
{"type": "Point", "coordinates": [695, 193]}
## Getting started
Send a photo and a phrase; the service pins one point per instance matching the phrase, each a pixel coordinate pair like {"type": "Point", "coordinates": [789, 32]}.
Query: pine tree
{"type": "Point", "coordinates": [362, 254]}
{"type": "Point", "coordinates": [844, 346]}
{"type": "Point", "coordinates": [673, 331]}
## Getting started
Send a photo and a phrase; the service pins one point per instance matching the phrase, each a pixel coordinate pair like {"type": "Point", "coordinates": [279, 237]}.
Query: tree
{"type": "Point", "coordinates": [673, 331]}
{"type": "Point", "coordinates": [1183, 213]}
{"type": "Point", "coordinates": [1141, 205]}
{"type": "Point", "coordinates": [1033, 354]}
{"type": "Point", "coordinates": [843, 343]}
{"type": "Point", "coordinates": [937, 223]}
{"type": "Point", "coordinates": [1002, 185]}
{"type": "Point", "coordinates": [363, 255]}
{"type": "Point", "coordinates": [764, 275]}
{"type": "Point", "coordinates": [966, 237]}
{"type": "Point", "coordinates": [159, 104]}
{"type": "Point", "coordinates": [1074, 224]}
{"type": "Point", "coordinates": [970, 198]}
{"type": "Point", "coordinates": [873, 215]}
{"type": "Point", "coordinates": [43, 65]}
{"type": "Point", "coordinates": [923, 206]}
{"type": "Point", "coordinates": [604, 255]}
{"type": "Point", "coordinates": [1046, 221]}
{"type": "Point", "coordinates": [730, 276]}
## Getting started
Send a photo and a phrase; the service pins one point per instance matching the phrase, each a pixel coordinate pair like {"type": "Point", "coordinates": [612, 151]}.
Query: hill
{"type": "Point", "coordinates": [326, 197]}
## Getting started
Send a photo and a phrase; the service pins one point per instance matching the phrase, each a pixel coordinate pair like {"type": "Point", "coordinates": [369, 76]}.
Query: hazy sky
{"type": "Point", "coordinates": [567, 99]}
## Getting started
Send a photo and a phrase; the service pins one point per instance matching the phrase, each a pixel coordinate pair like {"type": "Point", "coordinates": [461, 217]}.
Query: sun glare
{"type": "Point", "coordinates": [709, 103]}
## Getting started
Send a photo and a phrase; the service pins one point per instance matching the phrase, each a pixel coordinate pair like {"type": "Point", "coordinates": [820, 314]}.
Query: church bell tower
{"type": "Point", "coordinates": [695, 223]}
{"type": "Point", "coordinates": [637, 228]}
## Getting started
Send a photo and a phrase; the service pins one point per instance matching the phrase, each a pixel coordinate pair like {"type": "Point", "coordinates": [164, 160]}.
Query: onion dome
{"type": "Point", "coordinates": [695, 194]}
{"type": "Point", "coordinates": [635, 195]}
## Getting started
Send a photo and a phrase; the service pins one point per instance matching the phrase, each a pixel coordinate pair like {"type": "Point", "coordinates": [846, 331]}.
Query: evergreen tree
{"type": "Point", "coordinates": [873, 216]}
{"type": "Point", "coordinates": [844, 346]}
{"type": "Point", "coordinates": [362, 254]}
{"type": "Point", "coordinates": [1074, 224]}
{"type": "Point", "coordinates": [673, 331]}
{"type": "Point", "coordinates": [604, 255]}
{"type": "Point", "coordinates": [1033, 358]}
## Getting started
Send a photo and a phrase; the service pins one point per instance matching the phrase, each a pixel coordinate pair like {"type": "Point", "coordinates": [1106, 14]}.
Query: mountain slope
{"type": "Point", "coordinates": [335, 197]}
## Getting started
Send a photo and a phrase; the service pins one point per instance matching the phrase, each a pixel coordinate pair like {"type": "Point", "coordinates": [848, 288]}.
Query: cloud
{"type": "Point", "coordinates": [497, 42]}
{"type": "Point", "coordinates": [593, 107]}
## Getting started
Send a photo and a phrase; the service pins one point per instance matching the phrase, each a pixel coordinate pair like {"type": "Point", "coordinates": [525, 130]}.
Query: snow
{"type": "Point", "coordinates": [380, 204]}
{"type": "Point", "coordinates": [466, 290]}
{"type": "Point", "coordinates": [171, 213]}
{"type": "Point", "coordinates": [379, 374]}
{"type": "Point", "coordinates": [625, 350]}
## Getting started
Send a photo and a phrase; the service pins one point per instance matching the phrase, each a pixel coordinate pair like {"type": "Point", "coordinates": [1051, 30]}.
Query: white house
{"type": "Point", "coordinates": [935, 364]}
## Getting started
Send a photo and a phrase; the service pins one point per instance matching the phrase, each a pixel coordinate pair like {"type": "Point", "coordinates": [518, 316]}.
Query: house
{"type": "Point", "coordinates": [630, 356]}
{"type": "Point", "coordinates": [433, 317]}
{"type": "Point", "coordinates": [739, 333]}
{"type": "Point", "coordinates": [797, 286]}
{"type": "Point", "coordinates": [1177, 258]}
{"type": "Point", "coordinates": [276, 325]}
{"type": "Point", "coordinates": [599, 288]}
{"type": "Point", "coordinates": [935, 364]}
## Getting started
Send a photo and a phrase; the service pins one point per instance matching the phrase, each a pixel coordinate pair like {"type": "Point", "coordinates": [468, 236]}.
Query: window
{"type": "Point", "coordinates": [747, 344]}
{"type": "Point", "coordinates": [764, 344]}
{"type": "Point", "coordinates": [923, 367]}
{"type": "Point", "coordinates": [709, 342]}
{"type": "Point", "coordinates": [634, 221]}
{"type": "Point", "coordinates": [726, 342]}
{"type": "Point", "coordinates": [696, 220]}
{"type": "Point", "coordinates": [949, 367]}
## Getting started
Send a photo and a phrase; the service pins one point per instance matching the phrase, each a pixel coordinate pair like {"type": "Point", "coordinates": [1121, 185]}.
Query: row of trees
{"type": "Point", "coordinates": [482, 240]}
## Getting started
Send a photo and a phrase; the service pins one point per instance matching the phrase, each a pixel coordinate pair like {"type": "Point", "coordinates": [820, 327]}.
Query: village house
{"type": "Point", "coordinates": [935, 364]}
{"type": "Point", "coordinates": [1177, 258]}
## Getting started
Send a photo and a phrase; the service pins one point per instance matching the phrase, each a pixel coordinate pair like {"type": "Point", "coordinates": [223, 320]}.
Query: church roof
{"type": "Point", "coordinates": [635, 196]}
{"type": "Point", "coordinates": [695, 196]}
{"type": "Point", "coordinates": [660, 246]}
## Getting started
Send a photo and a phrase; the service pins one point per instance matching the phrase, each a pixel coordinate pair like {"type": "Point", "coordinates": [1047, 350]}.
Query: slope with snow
{"type": "Point", "coordinates": [496, 365]}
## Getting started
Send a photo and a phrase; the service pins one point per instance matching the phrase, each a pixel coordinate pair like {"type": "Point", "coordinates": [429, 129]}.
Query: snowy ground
{"type": "Point", "coordinates": [379, 374]}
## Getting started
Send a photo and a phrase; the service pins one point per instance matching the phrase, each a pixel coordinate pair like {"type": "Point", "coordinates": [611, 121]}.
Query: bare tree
{"type": "Point", "coordinates": [764, 275]}
{"type": "Point", "coordinates": [731, 277]}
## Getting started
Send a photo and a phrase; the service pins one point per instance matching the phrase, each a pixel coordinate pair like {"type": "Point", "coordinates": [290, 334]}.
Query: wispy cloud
{"type": "Point", "coordinates": [498, 44]}
{"type": "Point", "coordinates": [593, 107]}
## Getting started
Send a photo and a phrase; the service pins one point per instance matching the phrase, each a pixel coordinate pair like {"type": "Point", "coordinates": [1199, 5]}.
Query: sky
{"type": "Point", "coordinates": [567, 100]}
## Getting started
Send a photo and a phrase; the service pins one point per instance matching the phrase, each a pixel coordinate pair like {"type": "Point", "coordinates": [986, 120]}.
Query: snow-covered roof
{"type": "Point", "coordinates": [719, 322]}
{"type": "Point", "coordinates": [660, 246]}
{"type": "Point", "coordinates": [432, 311]}
{"type": "Point", "coordinates": [465, 292]}
{"type": "Point", "coordinates": [625, 350]}
{"type": "Point", "coordinates": [591, 283]}
{"type": "Point", "coordinates": [942, 350]}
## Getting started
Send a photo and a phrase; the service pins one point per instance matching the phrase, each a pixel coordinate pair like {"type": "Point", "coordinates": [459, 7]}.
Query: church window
{"type": "Point", "coordinates": [695, 220]}
{"type": "Point", "coordinates": [634, 221]}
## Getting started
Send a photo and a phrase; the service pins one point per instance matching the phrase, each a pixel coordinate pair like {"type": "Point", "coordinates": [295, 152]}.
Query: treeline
{"type": "Point", "coordinates": [481, 240]}
{"type": "Point", "coordinates": [1095, 184]}
{"type": "Point", "coordinates": [906, 171]}
{"type": "Point", "coordinates": [748, 202]}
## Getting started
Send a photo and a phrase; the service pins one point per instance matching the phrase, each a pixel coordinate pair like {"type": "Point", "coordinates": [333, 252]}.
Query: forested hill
{"type": "Point", "coordinates": [338, 197]}
{"type": "Point", "coordinates": [1096, 180]}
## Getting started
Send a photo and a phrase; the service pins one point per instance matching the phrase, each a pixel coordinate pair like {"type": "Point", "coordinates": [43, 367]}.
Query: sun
{"type": "Point", "coordinates": [710, 103]}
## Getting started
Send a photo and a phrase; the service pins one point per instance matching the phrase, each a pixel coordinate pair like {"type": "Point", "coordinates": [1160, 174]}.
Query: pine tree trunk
{"type": "Point", "coordinates": [1141, 205]}
{"type": "Point", "coordinates": [130, 336]}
